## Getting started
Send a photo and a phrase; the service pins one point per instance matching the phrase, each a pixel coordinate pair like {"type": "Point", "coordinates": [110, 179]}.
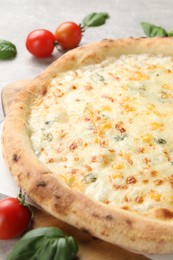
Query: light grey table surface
{"type": "Point", "coordinates": [19, 17]}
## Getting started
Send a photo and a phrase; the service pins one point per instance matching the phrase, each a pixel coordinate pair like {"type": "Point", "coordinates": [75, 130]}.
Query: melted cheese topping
{"type": "Point", "coordinates": [106, 131]}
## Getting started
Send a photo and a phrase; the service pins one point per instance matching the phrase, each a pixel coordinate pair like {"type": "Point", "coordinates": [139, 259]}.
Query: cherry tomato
{"type": "Point", "coordinates": [68, 35]}
{"type": "Point", "coordinates": [14, 218]}
{"type": "Point", "coordinates": [40, 43]}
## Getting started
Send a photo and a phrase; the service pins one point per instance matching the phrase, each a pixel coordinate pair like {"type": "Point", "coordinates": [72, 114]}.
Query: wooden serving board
{"type": "Point", "coordinates": [89, 248]}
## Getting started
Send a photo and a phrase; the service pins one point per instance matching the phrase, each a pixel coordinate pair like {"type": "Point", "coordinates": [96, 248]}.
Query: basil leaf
{"type": "Point", "coordinates": [170, 33]}
{"type": "Point", "coordinates": [160, 141]}
{"type": "Point", "coordinates": [95, 19]}
{"type": "Point", "coordinates": [152, 30]}
{"type": "Point", "coordinates": [47, 243]}
{"type": "Point", "coordinates": [7, 50]}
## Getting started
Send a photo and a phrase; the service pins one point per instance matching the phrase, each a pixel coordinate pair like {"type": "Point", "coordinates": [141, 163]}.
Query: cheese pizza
{"type": "Point", "coordinates": [90, 140]}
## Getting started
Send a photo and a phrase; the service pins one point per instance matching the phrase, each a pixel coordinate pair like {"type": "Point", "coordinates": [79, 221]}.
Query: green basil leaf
{"type": "Point", "coordinates": [152, 30]}
{"type": "Point", "coordinates": [47, 243]}
{"type": "Point", "coordinates": [95, 19]}
{"type": "Point", "coordinates": [170, 33]}
{"type": "Point", "coordinates": [7, 50]}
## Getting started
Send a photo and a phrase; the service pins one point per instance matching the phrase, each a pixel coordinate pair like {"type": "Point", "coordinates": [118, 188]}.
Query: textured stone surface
{"type": "Point", "coordinates": [19, 17]}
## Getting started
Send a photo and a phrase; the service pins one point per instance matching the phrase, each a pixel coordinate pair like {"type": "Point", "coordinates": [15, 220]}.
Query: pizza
{"type": "Point", "coordinates": [90, 140]}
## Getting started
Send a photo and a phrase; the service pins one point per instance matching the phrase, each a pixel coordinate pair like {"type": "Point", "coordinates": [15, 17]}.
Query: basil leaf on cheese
{"type": "Point", "coordinates": [7, 50]}
{"type": "Point", "coordinates": [45, 243]}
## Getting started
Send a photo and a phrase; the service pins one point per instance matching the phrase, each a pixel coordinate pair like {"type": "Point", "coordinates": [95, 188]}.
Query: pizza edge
{"type": "Point", "coordinates": [120, 227]}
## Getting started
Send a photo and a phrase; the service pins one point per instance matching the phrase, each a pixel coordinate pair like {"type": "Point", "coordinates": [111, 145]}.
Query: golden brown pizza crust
{"type": "Point", "coordinates": [148, 234]}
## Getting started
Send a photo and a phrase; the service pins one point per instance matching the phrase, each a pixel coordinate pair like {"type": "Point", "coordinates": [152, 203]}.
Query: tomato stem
{"type": "Point", "coordinates": [57, 45]}
{"type": "Point", "coordinates": [21, 198]}
{"type": "Point", "coordinates": [22, 201]}
{"type": "Point", "coordinates": [83, 27]}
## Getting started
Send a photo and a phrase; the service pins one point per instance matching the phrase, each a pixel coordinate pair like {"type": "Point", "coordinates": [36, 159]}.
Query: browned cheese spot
{"type": "Point", "coordinates": [44, 91]}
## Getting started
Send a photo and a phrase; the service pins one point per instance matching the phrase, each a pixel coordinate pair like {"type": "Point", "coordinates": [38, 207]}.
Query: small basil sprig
{"type": "Point", "coordinates": [152, 30]}
{"type": "Point", "coordinates": [7, 50]}
{"type": "Point", "coordinates": [44, 243]}
{"type": "Point", "coordinates": [93, 20]}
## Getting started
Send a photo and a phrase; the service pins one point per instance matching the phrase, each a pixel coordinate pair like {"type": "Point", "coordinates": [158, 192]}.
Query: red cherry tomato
{"type": "Point", "coordinates": [68, 35]}
{"type": "Point", "coordinates": [14, 218]}
{"type": "Point", "coordinates": [40, 43]}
